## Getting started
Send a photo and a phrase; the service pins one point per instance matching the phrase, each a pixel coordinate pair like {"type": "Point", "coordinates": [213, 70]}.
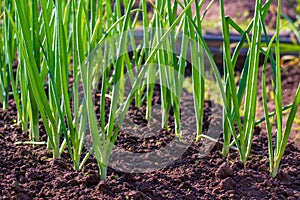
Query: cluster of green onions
{"type": "Point", "coordinates": [56, 42]}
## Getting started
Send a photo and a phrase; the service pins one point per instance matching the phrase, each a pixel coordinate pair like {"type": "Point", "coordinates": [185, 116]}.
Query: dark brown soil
{"type": "Point", "coordinates": [28, 172]}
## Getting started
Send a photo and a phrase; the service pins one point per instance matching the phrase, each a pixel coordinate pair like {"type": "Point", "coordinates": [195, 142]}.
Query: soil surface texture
{"type": "Point", "coordinates": [187, 170]}
{"type": "Point", "coordinates": [28, 172]}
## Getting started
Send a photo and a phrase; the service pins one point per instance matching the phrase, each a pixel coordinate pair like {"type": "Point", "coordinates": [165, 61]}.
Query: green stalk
{"type": "Point", "coordinates": [162, 64]}
{"type": "Point", "coordinates": [151, 78]}
{"type": "Point", "coordinates": [281, 139]}
{"type": "Point", "coordinates": [5, 81]}
{"type": "Point", "coordinates": [265, 105]}
{"type": "Point", "coordinates": [183, 55]}
{"type": "Point", "coordinates": [251, 92]}
{"type": "Point", "coordinates": [75, 88]}
{"type": "Point", "coordinates": [34, 112]}
{"type": "Point", "coordinates": [35, 79]}
{"type": "Point", "coordinates": [271, 114]}
{"type": "Point", "coordinates": [197, 56]}
{"type": "Point", "coordinates": [2, 63]}
{"type": "Point", "coordinates": [230, 82]}
{"type": "Point", "coordinates": [173, 67]}
{"type": "Point", "coordinates": [201, 73]}
{"type": "Point", "coordinates": [279, 153]}
{"type": "Point", "coordinates": [30, 61]}
{"type": "Point", "coordinates": [9, 54]}
{"type": "Point", "coordinates": [278, 85]}
{"type": "Point", "coordinates": [150, 58]}
{"type": "Point", "coordinates": [103, 148]}
{"type": "Point", "coordinates": [219, 83]}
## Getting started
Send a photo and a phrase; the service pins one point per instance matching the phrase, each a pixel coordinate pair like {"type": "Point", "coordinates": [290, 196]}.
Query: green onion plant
{"type": "Point", "coordinates": [72, 54]}
{"type": "Point", "coordinates": [276, 150]}
{"type": "Point", "coordinates": [248, 87]}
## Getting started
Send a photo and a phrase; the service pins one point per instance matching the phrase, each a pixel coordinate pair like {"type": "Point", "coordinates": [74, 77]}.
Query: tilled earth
{"type": "Point", "coordinates": [188, 170]}
{"type": "Point", "coordinates": [28, 172]}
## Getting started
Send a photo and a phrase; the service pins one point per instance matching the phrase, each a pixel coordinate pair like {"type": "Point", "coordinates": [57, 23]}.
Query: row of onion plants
{"type": "Point", "coordinates": [73, 54]}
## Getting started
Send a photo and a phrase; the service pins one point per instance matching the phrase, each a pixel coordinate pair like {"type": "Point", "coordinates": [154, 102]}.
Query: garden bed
{"type": "Point", "coordinates": [29, 172]}
{"type": "Point", "coordinates": [54, 146]}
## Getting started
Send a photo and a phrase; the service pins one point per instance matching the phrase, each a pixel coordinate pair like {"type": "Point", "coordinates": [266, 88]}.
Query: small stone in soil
{"type": "Point", "coordinates": [223, 171]}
